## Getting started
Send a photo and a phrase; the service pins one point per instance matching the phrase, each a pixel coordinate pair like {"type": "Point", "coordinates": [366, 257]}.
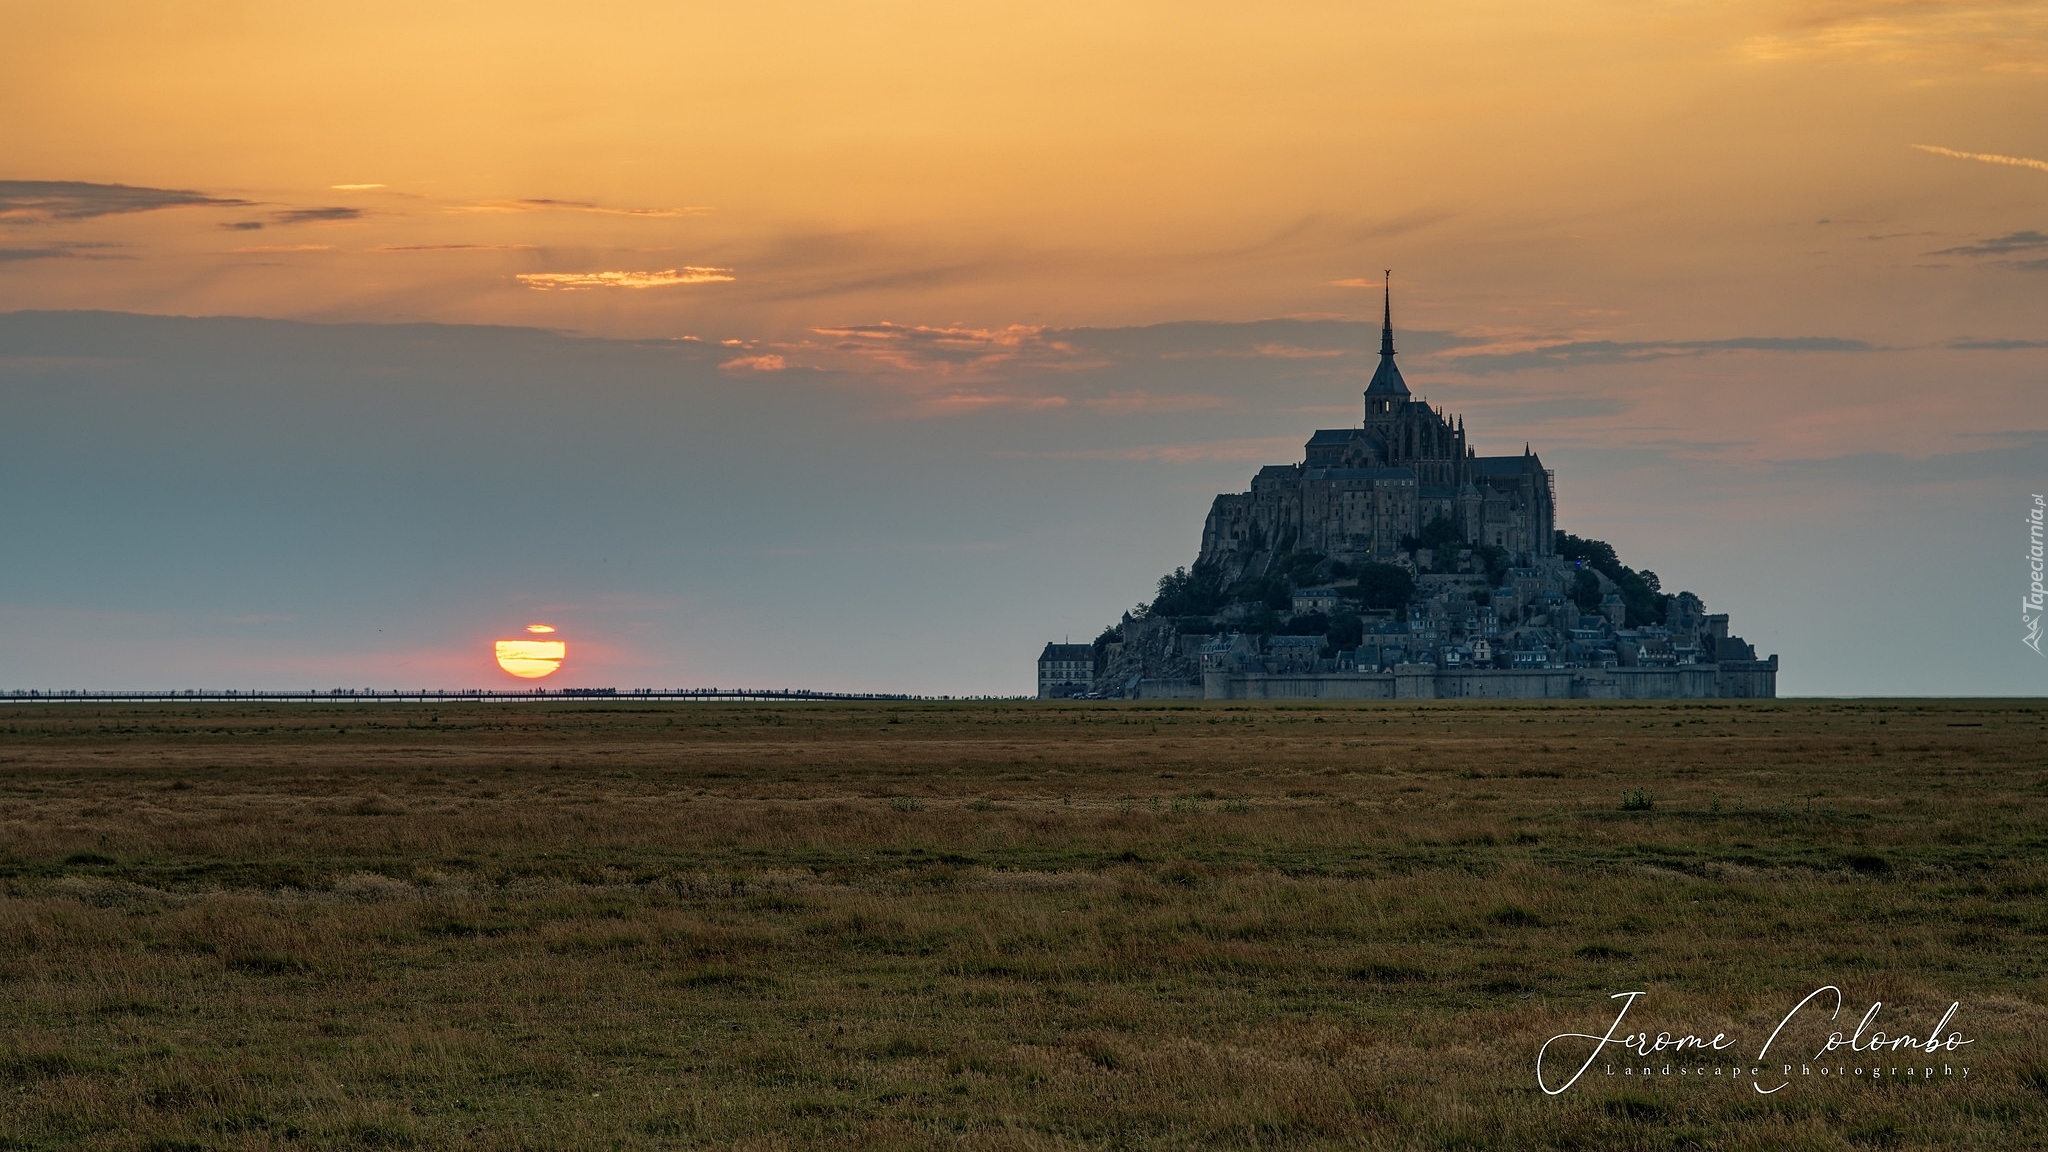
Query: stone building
{"type": "Point", "coordinates": [1358, 492]}
{"type": "Point", "coordinates": [1065, 670]}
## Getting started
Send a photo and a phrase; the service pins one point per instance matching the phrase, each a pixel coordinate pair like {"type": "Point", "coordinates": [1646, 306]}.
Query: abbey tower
{"type": "Point", "coordinates": [1359, 491]}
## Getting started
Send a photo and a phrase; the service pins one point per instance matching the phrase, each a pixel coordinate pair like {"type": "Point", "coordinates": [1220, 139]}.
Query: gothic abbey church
{"type": "Point", "coordinates": [1360, 490]}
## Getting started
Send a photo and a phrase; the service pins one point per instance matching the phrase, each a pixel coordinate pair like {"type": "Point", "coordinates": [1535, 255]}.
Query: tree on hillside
{"type": "Point", "coordinates": [1385, 585]}
{"type": "Point", "coordinates": [1185, 593]}
{"type": "Point", "coordinates": [1639, 590]}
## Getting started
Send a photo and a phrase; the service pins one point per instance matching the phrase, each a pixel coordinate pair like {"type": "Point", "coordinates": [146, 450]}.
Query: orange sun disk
{"type": "Point", "coordinates": [532, 659]}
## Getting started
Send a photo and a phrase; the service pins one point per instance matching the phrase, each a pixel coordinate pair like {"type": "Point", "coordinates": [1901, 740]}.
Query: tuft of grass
{"type": "Point", "coordinates": [1514, 916]}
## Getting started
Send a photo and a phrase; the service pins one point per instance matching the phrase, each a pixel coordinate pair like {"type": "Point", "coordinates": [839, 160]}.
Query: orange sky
{"type": "Point", "coordinates": [1571, 170]}
{"type": "Point", "coordinates": [1763, 281]}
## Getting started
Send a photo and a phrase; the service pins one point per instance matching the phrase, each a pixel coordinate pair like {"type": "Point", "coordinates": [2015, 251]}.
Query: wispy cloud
{"type": "Point", "coordinates": [355, 187]}
{"type": "Point", "coordinates": [1996, 345]}
{"type": "Point", "coordinates": [45, 200]}
{"type": "Point", "coordinates": [316, 215]}
{"type": "Point", "coordinates": [63, 251]}
{"type": "Point", "coordinates": [2000, 245]}
{"type": "Point", "coordinates": [1986, 157]}
{"type": "Point", "coordinates": [1296, 352]}
{"type": "Point", "coordinates": [454, 248]}
{"type": "Point", "coordinates": [769, 362]}
{"type": "Point", "coordinates": [666, 278]}
{"type": "Point", "coordinates": [272, 249]}
{"type": "Point", "coordinates": [946, 351]}
{"type": "Point", "coordinates": [1495, 358]}
{"type": "Point", "coordinates": [1993, 35]}
{"type": "Point", "coordinates": [1141, 401]}
{"type": "Point", "coordinates": [545, 205]}
{"type": "Point", "coordinates": [961, 403]}
{"type": "Point", "coordinates": [1263, 449]}
{"type": "Point", "coordinates": [242, 225]}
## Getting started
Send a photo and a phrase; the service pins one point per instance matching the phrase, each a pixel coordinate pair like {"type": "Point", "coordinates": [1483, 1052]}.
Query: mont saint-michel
{"type": "Point", "coordinates": [1394, 561]}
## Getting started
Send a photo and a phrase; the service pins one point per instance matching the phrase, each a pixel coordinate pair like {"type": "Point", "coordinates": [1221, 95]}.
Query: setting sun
{"type": "Point", "coordinates": [532, 659]}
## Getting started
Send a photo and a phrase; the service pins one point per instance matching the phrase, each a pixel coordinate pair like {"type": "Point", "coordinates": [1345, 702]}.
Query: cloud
{"type": "Point", "coordinates": [947, 351]}
{"type": "Point", "coordinates": [63, 251]}
{"type": "Point", "coordinates": [1985, 157]}
{"type": "Point", "coordinates": [275, 248]}
{"type": "Point", "coordinates": [1996, 345]}
{"type": "Point", "coordinates": [1256, 339]}
{"type": "Point", "coordinates": [2000, 245]}
{"type": "Point", "coordinates": [545, 205]}
{"type": "Point", "coordinates": [666, 278]}
{"type": "Point", "coordinates": [454, 248]}
{"type": "Point", "coordinates": [1263, 449]}
{"type": "Point", "coordinates": [315, 215]}
{"type": "Point", "coordinates": [242, 225]}
{"type": "Point", "coordinates": [1296, 352]}
{"type": "Point", "coordinates": [1493, 358]}
{"type": "Point", "coordinates": [355, 187]}
{"type": "Point", "coordinates": [961, 403]}
{"type": "Point", "coordinates": [765, 363]}
{"type": "Point", "coordinates": [44, 200]}
{"type": "Point", "coordinates": [1998, 35]}
{"type": "Point", "coordinates": [1141, 401]}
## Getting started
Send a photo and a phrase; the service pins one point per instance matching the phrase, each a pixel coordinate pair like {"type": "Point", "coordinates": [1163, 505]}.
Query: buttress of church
{"type": "Point", "coordinates": [1358, 491]}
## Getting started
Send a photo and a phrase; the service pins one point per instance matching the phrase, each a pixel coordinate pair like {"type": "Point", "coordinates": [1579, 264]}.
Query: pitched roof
{"type": "Point", "coordinates": [1502, 465]}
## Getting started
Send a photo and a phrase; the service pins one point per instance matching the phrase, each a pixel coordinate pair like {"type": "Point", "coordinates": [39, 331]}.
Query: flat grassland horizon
{"type": "Point", "coordinates": [1009, 925]}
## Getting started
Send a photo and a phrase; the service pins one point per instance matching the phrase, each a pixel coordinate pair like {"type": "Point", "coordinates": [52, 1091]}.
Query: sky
{"type": "Point", "coordinates": [870, 347]}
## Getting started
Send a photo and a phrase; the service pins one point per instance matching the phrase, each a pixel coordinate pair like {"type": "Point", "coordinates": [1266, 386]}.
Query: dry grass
{"type": "Point", "coordinates": [1001, 926]}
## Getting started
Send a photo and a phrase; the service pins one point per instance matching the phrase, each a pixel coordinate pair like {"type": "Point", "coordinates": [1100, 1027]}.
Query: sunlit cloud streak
{"type": "Point", "coordinates": [454, 248]}
{"type": "Point", "coordinates": [316, 215]}
{"type": "Point", "coordinates": [666, 278]}
{"type": "Point", "coordinates": [64, 251]}
{"type": "Point", "coordinates": [545, 205]}
{"type": "Point", "coordinates": [1141, 401]}
{"type": "Point", "coordinates": [947, 351]}
{"type": "Point", "coordinates": [961, 403]}
{"type": "Point", "coordinates": [1986, 157]}
{"type": "Point", "coordinates": [1263, 449]}
{"type": "Point", "coordinates": [2007, 244]}
{"type": "Point", "coordinates": [355, 187]}
{"type": "Point", "coordinates": [1496, 358]}
{"type": "Point", "coordinates": [46, 200]}
{"type": "Point", "coordinates": [769, 362]}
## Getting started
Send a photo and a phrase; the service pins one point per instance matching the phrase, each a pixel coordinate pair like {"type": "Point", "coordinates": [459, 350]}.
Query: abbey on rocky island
{"type": "Point", "coordinates": [1394, 562]}
{"type": "Point", "coordinates": [1359, 492]}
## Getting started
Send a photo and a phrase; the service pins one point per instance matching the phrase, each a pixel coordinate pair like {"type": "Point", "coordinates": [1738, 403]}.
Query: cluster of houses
{"type": "Point", "coordinates": [1460, 635]}
{"type": "Point", "coordinates": [1522, 625]}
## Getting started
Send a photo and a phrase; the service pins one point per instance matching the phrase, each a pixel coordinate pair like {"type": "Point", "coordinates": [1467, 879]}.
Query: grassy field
{"type": "Point", "coordinates": [1006, 926]}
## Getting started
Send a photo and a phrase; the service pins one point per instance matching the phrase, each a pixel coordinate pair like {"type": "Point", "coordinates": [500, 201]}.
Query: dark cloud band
{"type": "Point", "coordinates": [78, 200]}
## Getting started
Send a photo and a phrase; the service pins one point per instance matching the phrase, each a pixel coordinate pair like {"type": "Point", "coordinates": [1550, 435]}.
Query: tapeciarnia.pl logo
{"type": "Point", "coordinates": [2032, 604]}
{"type": "Point", "coordinates": [1872, 1055]}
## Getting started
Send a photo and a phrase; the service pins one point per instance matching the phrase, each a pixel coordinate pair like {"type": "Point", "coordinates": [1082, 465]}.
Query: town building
{"type": "Point", "coordinates": [1065, 670]}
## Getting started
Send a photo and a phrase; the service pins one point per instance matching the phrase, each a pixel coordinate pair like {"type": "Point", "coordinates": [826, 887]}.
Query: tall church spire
{"type": "Point", "coordinates": [1386, 380]}
{"type": "Point", "coordinates": [1387, 321]}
